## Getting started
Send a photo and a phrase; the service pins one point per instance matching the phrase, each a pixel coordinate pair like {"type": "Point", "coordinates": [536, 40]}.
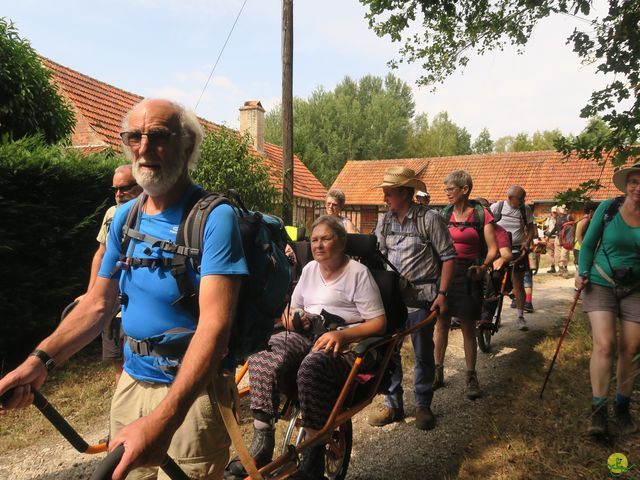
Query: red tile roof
{"type": "Point", "coordinates": [542, 174]}
{"type": "Point", "coordinates": [100, 108]}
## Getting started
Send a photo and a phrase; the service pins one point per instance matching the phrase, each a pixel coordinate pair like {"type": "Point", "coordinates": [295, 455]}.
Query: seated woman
{"type": "Point", "coordinates": [343, 287]}
{"type": "Point", "coordinates": [475, 242]}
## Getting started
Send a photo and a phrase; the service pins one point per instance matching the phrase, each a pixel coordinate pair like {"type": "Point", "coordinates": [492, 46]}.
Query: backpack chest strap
{"type": "Point", "coordinates": [164, 245]}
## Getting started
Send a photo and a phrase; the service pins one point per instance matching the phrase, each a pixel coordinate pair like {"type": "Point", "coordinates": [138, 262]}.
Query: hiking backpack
{"type": "Point", "coordinates": [568, 234]}
{"type": "Point", "coordinates": [477, 224]}
{"type": "Point", "coordinates": [264, 292]}
{"type": "Point", "coordinates": [497, 216]}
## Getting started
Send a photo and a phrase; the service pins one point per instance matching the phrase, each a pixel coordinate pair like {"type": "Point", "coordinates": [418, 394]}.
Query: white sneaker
{"type": "Point", "coordinates": [522, 324]}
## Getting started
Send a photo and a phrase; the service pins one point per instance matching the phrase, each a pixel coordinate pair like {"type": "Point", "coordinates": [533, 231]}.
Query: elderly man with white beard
{"type": "Point", "coordinates": [156, 408]}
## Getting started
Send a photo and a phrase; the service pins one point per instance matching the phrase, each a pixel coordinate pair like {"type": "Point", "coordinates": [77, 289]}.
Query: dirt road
{"type": "Point", "coordinates": [396, 451]}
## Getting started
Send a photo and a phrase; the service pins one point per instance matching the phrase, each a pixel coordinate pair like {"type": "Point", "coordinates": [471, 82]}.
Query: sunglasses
{"type": "Point", "coordinates": [123, 188]}
{"type": "Point", "coordinates": [154, 138]}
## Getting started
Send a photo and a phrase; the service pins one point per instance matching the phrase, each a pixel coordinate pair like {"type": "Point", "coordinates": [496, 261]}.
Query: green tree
{"type": "Point", "coordinates": [545, 140]}
{"type": "Point", "coordinates": [483, 142]}
{"type": "Point", "coordinates": [442, 35]}
{"type": "Point", "coordinates": [503, 144]}
{"type": "Point", "coordinates": [521, 143]}
{"type": "Point", "coordinates": [441, 138]}
{"type": "Point", "coordinates": [540, 140]}
{"type": "Point", "coordinates": [226, 163]}
{"type": "Point", "coordinates": [30, 103]}
{"type": "Point", "coordinates": [360, 119]}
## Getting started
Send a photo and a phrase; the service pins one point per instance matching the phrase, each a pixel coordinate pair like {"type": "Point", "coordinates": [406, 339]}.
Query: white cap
{"type": "Point", "coordinates": [420, 193]}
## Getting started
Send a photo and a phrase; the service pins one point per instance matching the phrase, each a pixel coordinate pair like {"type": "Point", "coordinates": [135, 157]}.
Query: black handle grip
{"type": "Point", "coordinates": [105, 469]}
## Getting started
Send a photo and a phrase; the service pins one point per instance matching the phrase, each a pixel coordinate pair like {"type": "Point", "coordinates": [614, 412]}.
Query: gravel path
{"type": "Point", "coordinates": [395, 451]}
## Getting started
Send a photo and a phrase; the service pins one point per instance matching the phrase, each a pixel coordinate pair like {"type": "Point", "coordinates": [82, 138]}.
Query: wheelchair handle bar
{"type": "Point", "coordinates": [57, 420]}
{"type": "Point", "coordinates": [105, 469]}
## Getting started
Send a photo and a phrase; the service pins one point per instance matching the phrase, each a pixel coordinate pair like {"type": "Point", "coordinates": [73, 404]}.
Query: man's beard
{"type": "Point", "coordinates": [158, 182]}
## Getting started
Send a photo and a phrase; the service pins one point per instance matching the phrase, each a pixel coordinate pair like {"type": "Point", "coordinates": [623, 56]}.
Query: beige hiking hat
{"type": "Point", "coordinates": [620, 177]}
{"type": "Point", "coordinates": [402, 177]}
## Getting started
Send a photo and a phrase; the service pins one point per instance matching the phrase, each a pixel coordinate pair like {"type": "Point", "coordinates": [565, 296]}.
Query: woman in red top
{"type": "Point", "coordinates": [471, 227]}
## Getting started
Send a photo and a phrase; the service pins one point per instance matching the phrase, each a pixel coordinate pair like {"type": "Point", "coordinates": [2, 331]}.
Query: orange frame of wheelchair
{"type": "Point", "coordinates": [339, 414]}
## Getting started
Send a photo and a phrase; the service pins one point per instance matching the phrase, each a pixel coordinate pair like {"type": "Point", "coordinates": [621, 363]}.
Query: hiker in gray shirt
{"type": "Point", "coordinates": [517, 219]}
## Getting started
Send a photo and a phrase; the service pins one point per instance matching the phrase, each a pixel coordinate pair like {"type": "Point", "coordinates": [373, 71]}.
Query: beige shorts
{"type": "Point", "coordinates": [200, 446]}
{"type": "Point", "coordinates": [596, 298]}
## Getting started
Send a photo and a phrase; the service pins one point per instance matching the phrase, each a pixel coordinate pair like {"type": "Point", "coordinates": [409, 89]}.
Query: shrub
{"type": "Point", "coordinates": [51, 204]}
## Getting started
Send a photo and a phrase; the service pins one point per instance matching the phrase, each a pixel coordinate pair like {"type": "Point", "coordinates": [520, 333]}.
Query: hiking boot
{"type": "Point", "coordinates": [473, 387]}
{"type": "Point", "coordinates": [385, 416]}
{"type": "Point", "coordinates": [528, 307]}
{"type": "Point", "coordinates": [425, 419]}
{"type": "Point", "coordinates": [513, 303]}
{"type": "Point", "coordinates": [438, 378]}
{"type": "Point", "coordinates": [521, 324]}
{"type": "Point", "coordinates": [566, 274]}
{"type": "Point", "coordinates": [261, 450]}
{"type": "Point", "coordinates": [552, 269]}
{"type": "Point", "coordinates": [598, 427]}
{"type": "Point", "coordinates": [311, 465]}
{"type": "Point", "coordinates": [625, 422]}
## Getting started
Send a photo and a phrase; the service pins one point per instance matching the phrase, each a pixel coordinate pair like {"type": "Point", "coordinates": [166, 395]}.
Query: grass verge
{"type": "Point", "coordinates": [80, 390]}
{"type": "Point", "coordinates": [525, 437]}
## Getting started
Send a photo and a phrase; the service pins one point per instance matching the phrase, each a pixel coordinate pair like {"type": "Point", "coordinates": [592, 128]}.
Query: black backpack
{"type": "Point", "coordinates": [265, 292]}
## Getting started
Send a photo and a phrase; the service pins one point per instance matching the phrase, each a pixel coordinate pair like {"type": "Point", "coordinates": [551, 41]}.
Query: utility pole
{"type": "Point", "coordinates": [287, 111]}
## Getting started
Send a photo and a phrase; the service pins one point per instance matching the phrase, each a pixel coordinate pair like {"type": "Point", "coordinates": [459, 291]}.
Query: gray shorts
{"type": "Point", "coordinates": [596, 298]}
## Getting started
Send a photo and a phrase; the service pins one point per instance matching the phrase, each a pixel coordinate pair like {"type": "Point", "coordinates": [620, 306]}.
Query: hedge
{"type": "Point", "coordinates": [51, 204]}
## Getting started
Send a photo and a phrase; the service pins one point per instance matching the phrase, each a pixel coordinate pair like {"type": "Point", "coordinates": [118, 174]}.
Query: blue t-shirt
{"type": "Point", "coordinates": [148, 311]}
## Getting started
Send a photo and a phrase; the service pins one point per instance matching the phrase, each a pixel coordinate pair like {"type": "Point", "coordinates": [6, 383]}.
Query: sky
{"type": "Point", "coordinates": [167, 48]}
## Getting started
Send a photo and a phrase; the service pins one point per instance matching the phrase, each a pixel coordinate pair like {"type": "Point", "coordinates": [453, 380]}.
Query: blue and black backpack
{"type": "Point", "coordinates": [265, 291]}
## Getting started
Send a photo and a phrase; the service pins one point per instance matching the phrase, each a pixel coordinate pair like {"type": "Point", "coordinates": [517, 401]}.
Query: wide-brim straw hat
{"type": "Point", "coordinates": [620, 177]}
{"type": "Point", "coordinates": [401, 177]}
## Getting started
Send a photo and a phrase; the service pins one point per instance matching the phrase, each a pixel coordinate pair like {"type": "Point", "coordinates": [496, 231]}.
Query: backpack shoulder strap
{"type": "Point", "coordinates": [131, 222]}
{"type": "Point", "coordinates": [195, 209]}
{"type": "Point", "coordinates": [446, 212]}
{"type": "Point", "coordinates": [497, 216]}
{"type": "Point", "coordinates": [386, 224]}
{"type": "Point", "coordinates": [612, 210]}
{"type": "Point", "coordinates": [421, 224]}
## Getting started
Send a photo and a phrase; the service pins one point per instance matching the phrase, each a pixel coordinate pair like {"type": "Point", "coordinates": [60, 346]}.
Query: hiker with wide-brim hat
{"type": "Point", "coordinates": [417, 242]}
{"type": "Point", "coordinates": [609, 272]}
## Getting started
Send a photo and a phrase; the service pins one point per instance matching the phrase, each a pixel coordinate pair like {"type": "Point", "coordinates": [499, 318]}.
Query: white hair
{"type": "Point", "coordinates": [191, 131]}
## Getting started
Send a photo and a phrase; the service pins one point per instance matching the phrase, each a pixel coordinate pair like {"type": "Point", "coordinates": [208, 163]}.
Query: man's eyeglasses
{"type": "Point", "coordinates": [123, 188]}
{"type": "Point", "coordinates": [155, 138]}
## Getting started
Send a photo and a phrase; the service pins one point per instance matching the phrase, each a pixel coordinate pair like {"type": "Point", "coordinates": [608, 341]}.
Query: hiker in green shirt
{"type": "Point", "coordinates": [609, 271]}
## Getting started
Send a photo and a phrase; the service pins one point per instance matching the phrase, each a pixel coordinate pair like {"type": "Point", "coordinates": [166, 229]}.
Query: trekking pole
{"type": "Point", "coordinates": [564, 332]}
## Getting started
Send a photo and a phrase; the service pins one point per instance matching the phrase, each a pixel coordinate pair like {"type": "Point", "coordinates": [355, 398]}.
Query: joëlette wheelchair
{"type": "Point", "coordinates": [366, 379]}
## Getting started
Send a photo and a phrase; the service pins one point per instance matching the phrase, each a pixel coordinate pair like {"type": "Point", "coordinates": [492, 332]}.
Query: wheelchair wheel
{"type": "Point", "coordinates": [484, 339]}
{"type": "Point", "coordinates": [337, 449]}
{"type": "Point", "coordinates": [338, 452]}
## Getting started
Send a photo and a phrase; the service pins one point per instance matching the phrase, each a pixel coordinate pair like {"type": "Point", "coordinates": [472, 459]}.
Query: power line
{"type": "Point", "coordinates": [220, 55]}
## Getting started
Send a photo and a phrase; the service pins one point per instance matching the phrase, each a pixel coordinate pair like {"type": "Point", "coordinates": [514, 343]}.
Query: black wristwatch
{"type": "Point", "coordinates": [49, 363]}
{"type": "Point", "coordinates": [443, 293]}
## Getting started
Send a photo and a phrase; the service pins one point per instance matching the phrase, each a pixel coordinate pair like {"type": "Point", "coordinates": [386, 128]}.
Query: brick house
{"type": "Point", "coordinates": [542, 174]}
{"type": "Point", "coordinates": [99, 109]}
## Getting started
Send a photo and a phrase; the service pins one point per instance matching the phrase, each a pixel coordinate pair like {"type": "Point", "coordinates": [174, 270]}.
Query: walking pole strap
{"type": "Point", "coordinates": [227, 398]}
